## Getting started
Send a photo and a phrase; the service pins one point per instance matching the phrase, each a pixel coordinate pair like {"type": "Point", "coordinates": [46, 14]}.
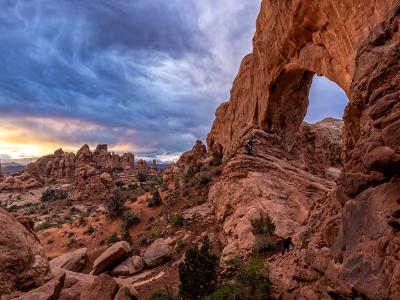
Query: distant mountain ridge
{"type": "Point", "coordinates": [11, 168]}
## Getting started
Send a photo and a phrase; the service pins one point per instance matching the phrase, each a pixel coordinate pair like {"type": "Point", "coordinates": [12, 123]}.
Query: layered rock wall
{"type": "Point", "coordinates": [353, 231]}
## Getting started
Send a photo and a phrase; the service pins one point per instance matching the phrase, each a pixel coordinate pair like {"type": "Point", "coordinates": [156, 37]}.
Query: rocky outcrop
{"type": "Point", "coordinates": [89, 185]}
{"type": "Point", "coordinates": [26, 180]}
{"type": "Point", "coordinates": [194, 156]}
{"type": "Point", "coordinates": [132, 265]}
{"type": "Point", "coordinates": [84, 286]}
{"type": "Point", "coordinates": [23, 264]}
{"type": "Point", "coordinates": [49, 291]}
{"type": "Point", "coordinates": [103, 287]}
{"type": "Point", "coordinates": [111, 257]}
{"type": "Point", "coordinates": [91, 174]}
{"type": "Point", "coordinates": [73, 261]}
{"type": "Point", "coordinates": [284, 185]}
{"type": "Point", "coordinates": [346, 248]}
{"type": "Point", "coordinates": [157, 253]}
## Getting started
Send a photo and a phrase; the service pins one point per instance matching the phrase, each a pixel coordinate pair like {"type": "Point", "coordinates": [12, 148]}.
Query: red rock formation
{"type": "Point", "coordinates": [284, 185]}
{"type": "Point", "coordinates": [196, 155]}
{"type": "Point", "coordinates": [26, 180]}
{"type": "Point", "coordinates": [188, 159]}
{"type": "Point", "coordinates": [355, 44]}
{"type": "Point", "coordinates": [23, 265]}
{"type": "Point", "coordinates": [91, 174]}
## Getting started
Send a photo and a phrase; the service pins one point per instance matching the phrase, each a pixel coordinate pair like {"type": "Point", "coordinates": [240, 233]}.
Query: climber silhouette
{"type": "Point", "coordinates": [286, 244]}
{"type": "Point", "coordinates": [249, 146]}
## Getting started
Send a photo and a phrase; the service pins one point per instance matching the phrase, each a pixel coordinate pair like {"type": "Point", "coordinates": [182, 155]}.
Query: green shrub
{"type": "Point", "coordinates": [119, 184]}
{"type": "Point", "coordinates": [198, 273]}
{"type": "Point", "coordinates": [155, 200]}
{"type": "Point", "coordinates": [118, 170]}
{"type": "Point", "coordinates": [263, 225]}
{"type": "Point", "coordinates": [113, 239]}
{"type": "Point", "coordinates": [178, 220]}
{"type": "Point", "coordinates": [254, 280]}
{"type": "Point", "coordinates": [162, 294]}
{"type": "Point", "coordinates": [43, 226]}
{"type": "Point", "coordinates": [126, 237]}
{"type": "Point", "coordinates": [132, 187]}
{"type": "Point", "coordinates": [129, 219]}
{"type": "Point", "coordinates": [142, 177]}
{"type": "Point", "coordinates": [264, 231]}
{"type": "Point", "coordinates": [199, 201]}
{"type": "Point", "coordinates": [53, 195]}
{"type": "Point", "coordinates": [114, 205]}
{"type": "Point", "coordinates": [191, 171]}
{"type": "Point", "coordinates": [216, 159]}
{"type": "Point", "coordinates": [205, 179]}
{"type": "Point", "coordinates": [226, 292]}
{"type": "Point", "coordinates": [89, 230]}
{"type": "Point", "coordinates": [157, 233]}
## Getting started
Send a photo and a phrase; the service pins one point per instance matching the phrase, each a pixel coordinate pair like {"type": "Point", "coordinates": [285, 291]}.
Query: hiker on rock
{"type": "Point", "coordinates": [249, 146]}
{"type": "Point", "coordinates": [286, 244]}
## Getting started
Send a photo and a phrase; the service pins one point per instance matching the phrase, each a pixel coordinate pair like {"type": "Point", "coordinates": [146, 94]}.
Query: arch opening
{"type": "Point", "coordinates": [326, 100]}
{"type": "Point", "coordinates": [301, 95]}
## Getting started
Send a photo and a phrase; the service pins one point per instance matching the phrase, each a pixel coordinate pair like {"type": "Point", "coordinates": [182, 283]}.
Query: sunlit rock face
{"type": "Point", "coordinates": [354, 229]}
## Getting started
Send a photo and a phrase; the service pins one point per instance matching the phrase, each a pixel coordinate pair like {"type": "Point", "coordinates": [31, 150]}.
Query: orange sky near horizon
{"type": "Point", "coordinates": [34, 137]}
{"type": "Point", "coordinates": [20, 141]}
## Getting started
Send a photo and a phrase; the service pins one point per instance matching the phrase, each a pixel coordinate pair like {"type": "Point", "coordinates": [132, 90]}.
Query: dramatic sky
{"type": "Point", "coordinates": [142, 75]}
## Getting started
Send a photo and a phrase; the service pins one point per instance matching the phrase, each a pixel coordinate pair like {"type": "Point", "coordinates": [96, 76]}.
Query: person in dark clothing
{"type": "Point", "coordinates": [249, 146]}
{"type": "Point", "coordinates": [286, 244]}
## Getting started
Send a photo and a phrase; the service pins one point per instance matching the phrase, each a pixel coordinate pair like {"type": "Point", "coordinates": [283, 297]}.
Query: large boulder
{"type": "Point", "coordinates": [157, 253]}
{"type": "Point", "coordinates": [103, 287]}
{"type": "Point", "coordinates": [23, 264]}
{"type": "Point", "coordinates": [73, 261]}
{"type": "Point", "coordinates": [132, 265]}
{"type": "Point", "coordinates": [111, 257]}
{"type": "Point", "coordinates": [49, 291]}
{"type": "Point", "coordinates": [85, 286]}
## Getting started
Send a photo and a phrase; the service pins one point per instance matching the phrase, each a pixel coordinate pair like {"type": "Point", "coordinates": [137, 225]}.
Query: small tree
{"type": "Point", "coordinates": [198, 273]}
{"type": "Point", "coordinates": [142, 177]}
{"type": "Point", "coordinates": [155, 200]}
{"type": "Point", "coordinates": [264, 232]}
{"type": "Point", "coordinates": [114, 205]}
{"type": "Point", "coordinates": [254, 280]}
{"type": "Point", "coordinates": [126, 237]}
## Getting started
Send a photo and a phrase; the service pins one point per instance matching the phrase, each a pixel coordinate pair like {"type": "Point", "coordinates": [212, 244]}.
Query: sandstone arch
{"type": "Point", "coordinates": [322, 37]}
{"type": "Point", "coordinates": [356, 44]}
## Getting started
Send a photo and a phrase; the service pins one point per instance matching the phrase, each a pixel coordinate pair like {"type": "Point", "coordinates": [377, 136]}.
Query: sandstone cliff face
{"type": "Point", "coordinates": [348, 243]}
{"type": "Point", "coordinates": [283, 184]}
